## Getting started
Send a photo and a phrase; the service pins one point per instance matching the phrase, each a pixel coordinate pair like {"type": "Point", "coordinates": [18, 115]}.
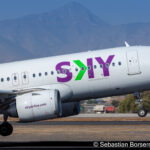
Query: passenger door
{"type": "Point", "coordinates": [25, 78]}
{"type": "Point", "coordinates": [15, 79]}
{"type": "Point", "coordinates": [133, 63]}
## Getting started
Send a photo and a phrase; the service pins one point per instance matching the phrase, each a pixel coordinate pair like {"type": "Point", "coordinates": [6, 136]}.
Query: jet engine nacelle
{"type": "Point", "coordinates": [70, 109]}
{"type": "Point", "coordinates": [35, 106]}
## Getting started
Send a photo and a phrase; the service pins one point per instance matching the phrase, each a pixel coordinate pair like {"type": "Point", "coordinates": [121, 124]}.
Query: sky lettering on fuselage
{"type": "Point", "coordinates": [60, 67]}
{"type": "Point", "coordinates": [67, 72]}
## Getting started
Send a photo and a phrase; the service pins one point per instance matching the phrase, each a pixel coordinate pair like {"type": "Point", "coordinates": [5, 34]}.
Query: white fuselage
{"type": "Point", "coordinates": [126, 70]}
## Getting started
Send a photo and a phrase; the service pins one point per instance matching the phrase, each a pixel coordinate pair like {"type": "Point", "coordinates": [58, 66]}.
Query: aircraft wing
{"type": "Point", "coordinates": [6, 97]}
{"type": "Point", "coordinates": [6, 93]}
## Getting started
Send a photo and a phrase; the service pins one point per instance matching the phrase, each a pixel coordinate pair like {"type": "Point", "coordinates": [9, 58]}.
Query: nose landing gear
{"type": "Point", "coordinates": [142, 112]}
{"type": "Point", "coordinates": [6, 128]}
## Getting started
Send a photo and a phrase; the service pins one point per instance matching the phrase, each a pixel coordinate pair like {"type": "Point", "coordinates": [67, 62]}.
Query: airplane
{"type": "Point", "coordinates": [52, 87]}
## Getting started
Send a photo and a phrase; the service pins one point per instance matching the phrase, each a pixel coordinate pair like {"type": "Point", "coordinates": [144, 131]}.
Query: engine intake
{"type": "Point", "coordinates": [36, 106]}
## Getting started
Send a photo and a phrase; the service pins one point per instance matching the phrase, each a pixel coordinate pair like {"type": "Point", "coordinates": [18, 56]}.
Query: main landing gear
{"type": "Point", "coordinates": [6, 128]}
{"type": "Point", "coordinates": [141, 111]}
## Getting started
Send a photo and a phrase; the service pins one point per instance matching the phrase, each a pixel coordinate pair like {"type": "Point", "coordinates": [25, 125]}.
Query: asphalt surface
{"type": "Point", "coordinates": [81, 123]}
{"type": "Point", "coordinates": [84, 127]}
{"type": "Point", "coordinates": [106, 115]}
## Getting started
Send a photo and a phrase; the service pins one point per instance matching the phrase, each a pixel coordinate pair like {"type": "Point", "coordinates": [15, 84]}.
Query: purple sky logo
{"type": "Point", "coordinates": [83, 68]}
{"type": "Point", "coordinates": [61, 70]}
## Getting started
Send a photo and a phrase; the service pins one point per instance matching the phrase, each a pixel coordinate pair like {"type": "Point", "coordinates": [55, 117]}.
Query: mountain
{"type": "Point", "coordinates": [71, 28]}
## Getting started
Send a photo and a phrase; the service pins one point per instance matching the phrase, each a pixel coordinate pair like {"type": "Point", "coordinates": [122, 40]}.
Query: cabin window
{"type": "Point", "coordinates": [107, 65]}
{"type": "Point", "coordinates": [46, 73]}
{"type": "Point", "coordinates": [15, 78]}
{"type": "Point", "coordinates": [95, 66]}
{"type": "Point", "coordinates": [52, 72]}
{"type": "Point", "coordinates": [101, 65]}
{"type": "Point", "coordinates": [76, 69]}
{"type": "Point", "coordinates": [64, 71]}
{"type": "Point", "coordinates": [89, 67]}
{"type": "Point", "coordinates": [40, 74]}
{"type": "Point", "coordinates": [2, 79]}
{"type": "Point", "coordinates": [82, 68]}
{"type": "Point", "coordinates": [8, 79]}
{"type": "Point", "coordinates": [34, 75]}
{"type": "Point", "coordinates": [119, 63]}
{"type": "Point", "coordinates": [113, 64]}
{"type": "Point", "coordinates": [58, 71]}
{"type": "Point", "coordinates": [24, 76]}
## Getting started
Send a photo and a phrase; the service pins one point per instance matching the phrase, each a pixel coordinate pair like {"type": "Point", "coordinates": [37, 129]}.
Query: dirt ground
{"type": "Point", "coordinates": [92, 119]}
{"type": "Point", "coordinates": [46, 131]}
{"type": "Point", "coordinates": [79, 133]}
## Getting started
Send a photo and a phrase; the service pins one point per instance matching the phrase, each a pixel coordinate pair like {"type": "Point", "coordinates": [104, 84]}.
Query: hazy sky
{"type": "Point", "coordinates": [113, 11]}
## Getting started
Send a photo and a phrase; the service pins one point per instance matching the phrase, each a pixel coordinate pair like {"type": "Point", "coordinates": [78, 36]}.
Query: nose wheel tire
{"type": "Point", "coordinates": [6, 129]}
{"type": "Point", "coordinates": [142, 112]}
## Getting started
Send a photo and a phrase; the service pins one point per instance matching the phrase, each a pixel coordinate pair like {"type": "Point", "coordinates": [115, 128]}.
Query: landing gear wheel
{"type": "Point", "coordinates": [142, 112]}
{"type": "Point", "coordinates": [6, 129]}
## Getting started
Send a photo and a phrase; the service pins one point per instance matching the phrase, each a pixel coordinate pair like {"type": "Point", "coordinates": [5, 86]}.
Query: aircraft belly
{"type": "Point", "coordinates": [93, 88]}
